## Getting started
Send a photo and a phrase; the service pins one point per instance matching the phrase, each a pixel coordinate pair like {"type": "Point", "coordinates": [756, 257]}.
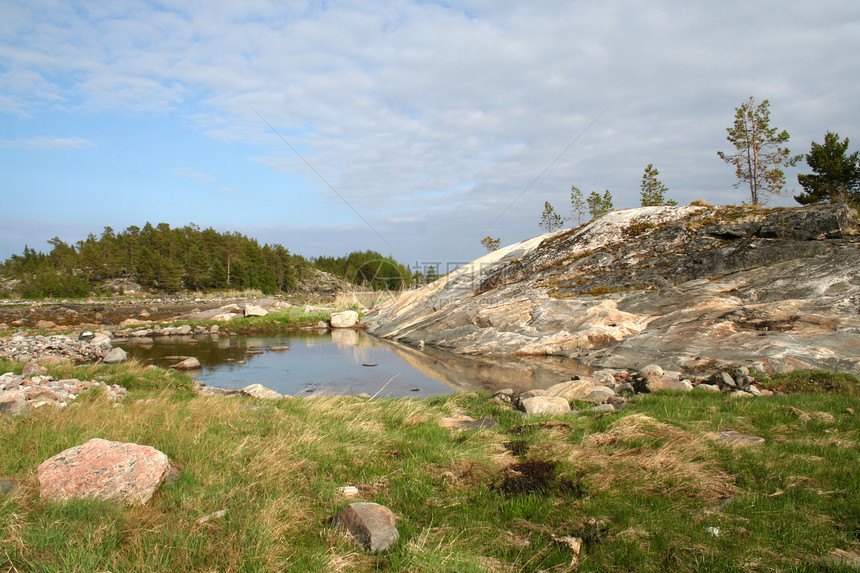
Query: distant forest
{"type": "Point", "coordinates": [182, 259]}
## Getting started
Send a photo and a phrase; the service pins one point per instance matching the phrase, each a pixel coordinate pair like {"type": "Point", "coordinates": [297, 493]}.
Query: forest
{"type": "Point", "coordinates": [171, 260]}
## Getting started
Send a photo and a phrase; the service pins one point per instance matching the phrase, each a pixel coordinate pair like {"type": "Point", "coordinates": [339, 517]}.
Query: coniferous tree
{"type": "Point", "coordinates": [577, 204]}
{"type": "Point", "coordinates": [758, 157]}
{"type": "Point", "coordinates": [836, 177]}
{"type": "Point", "coordinates": [598, 205]}
{"type": "Point", "coordinates": [653, 192]}
{"type": "Point", "coordinates": [549, 219]}
{"type": "Point", "coordinates": [490, 243]}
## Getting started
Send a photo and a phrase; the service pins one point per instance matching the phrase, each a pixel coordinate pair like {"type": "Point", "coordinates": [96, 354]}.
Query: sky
{"type": "Point", "coordinates": [411, 128]}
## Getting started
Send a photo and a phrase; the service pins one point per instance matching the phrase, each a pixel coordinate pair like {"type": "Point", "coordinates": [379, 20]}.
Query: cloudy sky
{"type": "Point", "coordinates": [413, 128]}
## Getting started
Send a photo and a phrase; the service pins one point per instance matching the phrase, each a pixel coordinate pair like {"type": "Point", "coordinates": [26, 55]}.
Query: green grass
{"type": "Point", "coordinates": [640, 487]}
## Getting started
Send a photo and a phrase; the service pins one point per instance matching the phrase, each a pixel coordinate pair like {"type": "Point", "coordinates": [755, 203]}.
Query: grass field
{"type": "Point", "coordinates": [647, 488]}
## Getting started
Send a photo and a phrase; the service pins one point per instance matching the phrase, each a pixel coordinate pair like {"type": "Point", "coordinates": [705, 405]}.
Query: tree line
{"type": "Point", "coordinates": [156, 257]}
{"type": "Point", "coordinates": [759, 157]}
{"type": "Point", "coordinates": [188, 258]}
{"type": "Point", "coordinates": [368, 269]}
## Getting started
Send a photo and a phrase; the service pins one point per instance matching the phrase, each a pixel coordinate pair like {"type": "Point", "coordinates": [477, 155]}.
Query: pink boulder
{"type": "Point", "coordinates": [99, 469]}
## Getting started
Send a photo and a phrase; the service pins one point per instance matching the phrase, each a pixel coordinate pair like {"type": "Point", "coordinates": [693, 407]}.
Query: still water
{"type": "Point", "coordinates": [344, 362]}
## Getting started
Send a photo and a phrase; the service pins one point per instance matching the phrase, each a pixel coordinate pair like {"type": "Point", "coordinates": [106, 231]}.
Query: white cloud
{"type": "Point", "coordinates": [191, 173]}
{"type": "Point", "coordinates": [47, 143]}
{"type": "Point", "coordinates": [419, 107]}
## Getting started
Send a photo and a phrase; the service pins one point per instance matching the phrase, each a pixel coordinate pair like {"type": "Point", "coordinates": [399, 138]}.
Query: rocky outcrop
{"type": "Point", "coordinates": [22, 393]}
{"type": "Point", "coordinates": [696, 287]}
{"type": "Point", "coordinates": [100, 469]}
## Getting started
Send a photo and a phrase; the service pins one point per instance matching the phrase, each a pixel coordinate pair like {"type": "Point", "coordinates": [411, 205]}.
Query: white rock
{"type": "Point", "coordinates": [345, 319]}
{"type": "Point", "coordinates": [544, 405]}
{"type": "Point", "coordinates": [252, 310]}
{"type": "Point", "coordinates": [260, 391]}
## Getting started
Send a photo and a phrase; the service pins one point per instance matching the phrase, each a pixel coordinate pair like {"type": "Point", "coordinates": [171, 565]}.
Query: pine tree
{"type": "Point", "coordinates": [550, 220]}
{"type": "Point", "coordinates": [598, 205]}
{"type": "Point", "coordinates": [758, 157]}
{"type": "Point", "coordinates": [653, 192]}
{"type": "Point", "coordinates": [577, 204]}
{"type": "Point", "coordinates": [837, 175]}
{"type": "Point", "coordinates": [491, 244]}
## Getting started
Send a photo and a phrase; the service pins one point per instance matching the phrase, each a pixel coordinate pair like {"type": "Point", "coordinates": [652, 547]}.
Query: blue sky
{"type": "Point", "coordinates": [428, 121]}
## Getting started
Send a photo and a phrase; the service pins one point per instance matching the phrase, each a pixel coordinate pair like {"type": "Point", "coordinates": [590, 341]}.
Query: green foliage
{"type": "Point", "coordinates": [836, 177]}
{"type": "Point", "coordinates": [158, 258]}
{"type": "Point", "coordinates": [549, 219]}
{"type": "Point", "coordinates": [577, 204]}
{"type": "Point", "coordinates": [368, 269]}
{"type": "Point", "coordinates": [758, 157]}
{"type": "Point", "coordinates": [490, 243]}
{"type": "Point", "coordinates": [653, 192]}
{"type": "Point", "coordinates": [598, 205]}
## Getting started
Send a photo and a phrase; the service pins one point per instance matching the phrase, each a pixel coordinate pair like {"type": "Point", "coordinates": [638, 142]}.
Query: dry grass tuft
{"type": "Point", "coordinates": [647, 456]}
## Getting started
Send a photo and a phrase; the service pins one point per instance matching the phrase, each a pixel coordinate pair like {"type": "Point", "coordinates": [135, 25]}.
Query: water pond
{"type": "Point", "coordinates": [344, 362]}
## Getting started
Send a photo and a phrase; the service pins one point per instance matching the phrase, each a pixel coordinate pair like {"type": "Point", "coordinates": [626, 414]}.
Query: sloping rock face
{"type": "Point", "coordinates": [775, 289]}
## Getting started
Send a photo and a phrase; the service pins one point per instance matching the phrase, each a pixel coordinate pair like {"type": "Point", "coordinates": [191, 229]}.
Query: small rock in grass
{"type": "Point", "coordinates": [740, 439]}
{"type": "Point", "coordinates": [369, 524]}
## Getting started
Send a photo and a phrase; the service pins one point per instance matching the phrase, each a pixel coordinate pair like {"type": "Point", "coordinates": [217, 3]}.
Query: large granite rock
{"type": "Point", "coordinates": [99, 469]}
{"type": "Point", "coordinates": [345, 319]}
{"type": "Point", "coordinates": [773, 289]}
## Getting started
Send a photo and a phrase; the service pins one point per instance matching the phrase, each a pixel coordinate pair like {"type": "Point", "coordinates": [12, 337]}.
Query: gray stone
{"type": "Point", "coordinates": [115, 356]}
{"type": "Point", "coordinates": [9, 487]}
{"type": "Point", "coordinates": [603, 408]}
{"type": "Point", "coordinates": [651, 371]}
{"type": "Point", "coordinates": [260, 391]}
{"type": "Point", "coordinates": [371, 525]}
{"type": "Point", "coordinates": [739, 438]}
{"type": "Point", "coordinates": [723, 379]}
{"type": "Point", "coordinates": [14, 402]}
{"type": "Point", "coordinates": [598, 395]}
{"type": "Point", "coordinates": [544, 405]}
{"type": "Point", "coordinates": [708, 387]}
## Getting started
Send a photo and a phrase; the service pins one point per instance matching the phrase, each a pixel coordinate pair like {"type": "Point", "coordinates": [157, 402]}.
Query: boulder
{"type": "Point", "coordinates": [345, 319]}
{"type": "Point", "coordinates": [544, 405]}
{"type": "Point", "coordinates": [116, 472]}
{"type": "Point", "coordinates": [260, 391]}
{"type": "Point", "coordinates": [14, 402]}
{"type": "Point", "coordinates": [45, 324]}
{"type": "Point", "coordinates": [252, 310]}
{"type": "Point", "coordinates": [599, 395]}
{"type": "Point", "coordinates": [115, 356]}
{"type": "Point", "coordinates": [369, 524]}
{"type": "Point", "coordinates": [187, 364]}
{"type": "Point", "coordinates": [651, 371]}
{"type": "Point", "coordinates": [572, 390]}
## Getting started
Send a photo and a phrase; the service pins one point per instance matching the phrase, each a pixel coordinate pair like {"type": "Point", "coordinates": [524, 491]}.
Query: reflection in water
{"type": "Point", "coordinates": [319, 361]}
